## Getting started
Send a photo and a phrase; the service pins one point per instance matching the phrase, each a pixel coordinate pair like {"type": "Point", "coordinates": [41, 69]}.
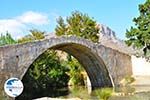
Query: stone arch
{"type": "Point", "coordinates": [83, 50]}
{"type": "Point", "coordinates": [92, 63]}
{"type": "Point", "coordinates": [111, 65]}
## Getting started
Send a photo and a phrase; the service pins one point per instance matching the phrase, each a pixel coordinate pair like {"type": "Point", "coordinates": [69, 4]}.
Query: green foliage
{"type": "Point", "coordinates": [79, 93]}
{"type": "Point", "coordinates": [61, 27]}
{"type": "Point", "coordinates": [75, 71]}
{"type": "Point", "coordinates": [104, 93]}
{"type": "Point", "coordinates": [78, 24]}
{"type": "Point", "coordinates": [47, 70]}
{"type": "Point", "coordinates": [139, 36]}
{"type": "Point", "coordinates": [35, 35]}
{"type": "Point", "coordinates": [6, 39]}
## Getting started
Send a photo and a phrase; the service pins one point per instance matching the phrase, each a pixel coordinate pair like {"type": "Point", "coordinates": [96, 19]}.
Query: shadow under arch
{"type": "Point", "coordinates": [92, 63]}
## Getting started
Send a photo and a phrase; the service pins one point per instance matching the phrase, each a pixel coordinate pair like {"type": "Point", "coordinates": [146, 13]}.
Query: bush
{"type": "Point", "coordinates": [104, 93]}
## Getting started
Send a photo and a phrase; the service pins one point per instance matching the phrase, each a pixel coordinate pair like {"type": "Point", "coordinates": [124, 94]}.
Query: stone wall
{"type": "Point", "coordinates": [118, 64]}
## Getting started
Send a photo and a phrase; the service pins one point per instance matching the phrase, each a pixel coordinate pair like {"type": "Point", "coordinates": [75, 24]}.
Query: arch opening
{"type": "Point", "coordinates": [92, 63]}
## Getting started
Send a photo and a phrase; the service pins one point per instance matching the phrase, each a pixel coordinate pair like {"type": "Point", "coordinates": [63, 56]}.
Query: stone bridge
{"type": "Point", "coordinates": [105, 66]}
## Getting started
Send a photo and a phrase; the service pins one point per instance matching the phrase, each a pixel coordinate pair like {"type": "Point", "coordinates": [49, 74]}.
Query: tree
{"type": "Point", "coordinates": [6, 39]}
{"type": "Point", "coordinates": [35, 35]}
{"type": "Point", "coordinates": [75, 71]}
{"type": "Point", "coordinates": [139, 36]}
{"type": "Point", "coordinates": [48, 70]}
{"type": "Point", "coordinates": [78, 24]}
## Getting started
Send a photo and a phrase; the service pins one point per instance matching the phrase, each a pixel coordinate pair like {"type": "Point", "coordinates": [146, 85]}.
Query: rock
{"type": "Point", "coordinates": [109, 39]}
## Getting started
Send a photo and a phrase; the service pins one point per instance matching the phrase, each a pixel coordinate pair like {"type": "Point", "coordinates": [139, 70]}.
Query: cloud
{"type": "Point", "coordinates": [33, 18]}
{"type": "Point", "coordinates": [19, 25]}
{"type": "Point", "coordinates": [12, 26]}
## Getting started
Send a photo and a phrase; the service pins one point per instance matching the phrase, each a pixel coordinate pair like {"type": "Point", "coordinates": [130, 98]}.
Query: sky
{"type": "Point", "coordinates": [19, 16]}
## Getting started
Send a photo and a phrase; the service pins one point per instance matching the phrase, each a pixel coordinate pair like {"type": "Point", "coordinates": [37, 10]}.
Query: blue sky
{"type": "Point", "coordinates": [19, 16]}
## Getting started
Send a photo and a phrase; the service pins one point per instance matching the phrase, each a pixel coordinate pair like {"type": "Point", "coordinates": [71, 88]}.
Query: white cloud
{"type": "Point", "coordinates": [19, 25]}
{"type": "Point", "coordinates": [12, 26]}
{"type": "Point", "coordinates": [34, 18]}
